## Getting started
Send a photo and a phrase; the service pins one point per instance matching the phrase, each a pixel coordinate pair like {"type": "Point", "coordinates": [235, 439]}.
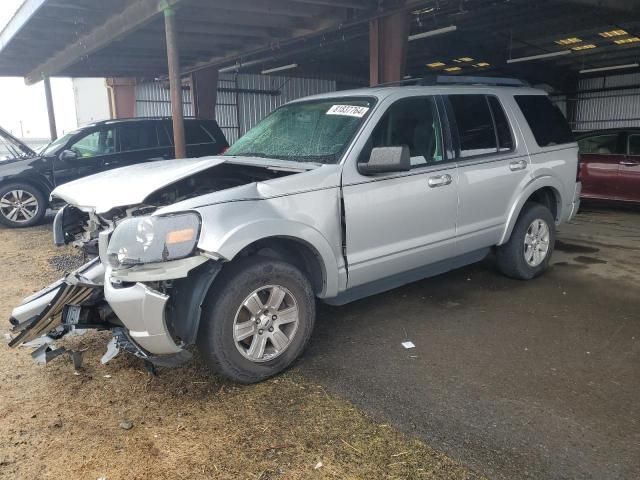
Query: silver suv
{"type": "Point", "coordinates": [337, 197]}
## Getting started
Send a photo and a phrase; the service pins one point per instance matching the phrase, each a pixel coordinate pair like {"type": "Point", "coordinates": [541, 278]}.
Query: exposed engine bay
{"type": "Point", "coordinates": [81, 228]}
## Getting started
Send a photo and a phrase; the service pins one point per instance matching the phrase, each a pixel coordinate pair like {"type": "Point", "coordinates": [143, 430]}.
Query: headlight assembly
{"type": "Point", "coordinates": [151, 239]}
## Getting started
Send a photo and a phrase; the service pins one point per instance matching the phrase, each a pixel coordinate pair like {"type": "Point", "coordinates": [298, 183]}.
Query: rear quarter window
{"type": "Point", "coordinates": [547, 123]}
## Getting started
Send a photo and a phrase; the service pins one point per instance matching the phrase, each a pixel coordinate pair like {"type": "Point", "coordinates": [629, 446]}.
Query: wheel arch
{"type": "Point", "coordinates": [295, 251]}
{"type": "Point", "coordinates": [40, 183]}
{"type": "Point", "coordinates": [543, 190]}
{"type": "Point", "coordinates": [297, 243]}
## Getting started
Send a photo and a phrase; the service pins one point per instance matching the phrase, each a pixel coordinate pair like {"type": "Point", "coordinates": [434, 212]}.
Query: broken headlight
{"type": "Point", "coordinates": [153, 239]}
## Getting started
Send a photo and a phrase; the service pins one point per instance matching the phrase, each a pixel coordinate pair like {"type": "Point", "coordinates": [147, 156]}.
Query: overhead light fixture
{"type": "Point", "coordinates": [624, 41]}
{"type": "Point", "coordinates": [569, 41]}
{"type": "Point", "coordinates": [481, 64]}
{"type": "Point", "coordinates": [613, 33]}
{"type": "Point", "coordinates": [452, 69]}
{"type": "Point", "coordinates": [615, 67]}
{"type": "Point", "coordinates": [423, 11]}
{"type": "Point", "coordinates": [279, 69]}
{"type": "Point", "coordinates": [538, 57]}
{"type": "Point", "coordinates": [433, 33]}
{"type": "Point", "coordinates": [587, 46]}
{"type": "Point", "coordinates": [463, 60]}
{"type": "Point", "coordinates": [436, 65]}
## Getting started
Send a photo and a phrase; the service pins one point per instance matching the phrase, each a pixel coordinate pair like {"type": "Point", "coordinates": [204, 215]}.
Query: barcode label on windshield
{"type": "Point", "coordinates": [348, 110]}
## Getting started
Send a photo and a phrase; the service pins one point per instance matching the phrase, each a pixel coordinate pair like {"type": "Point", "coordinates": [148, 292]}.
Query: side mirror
{"type": "Point", "coordinates": [387, 160]}
{"type": "Point", "coordinates": [68, 155]}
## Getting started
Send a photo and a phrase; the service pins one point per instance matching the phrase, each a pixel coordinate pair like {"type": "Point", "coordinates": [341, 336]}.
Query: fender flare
{"type": "Point", "coordinates": [531, 187]}
{"type": "Point", "coordinates": [238, 239]}
{"type": "Point", "coordinates": [38, 182]}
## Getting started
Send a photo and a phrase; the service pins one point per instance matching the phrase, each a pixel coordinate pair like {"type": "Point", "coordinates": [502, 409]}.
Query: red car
{"type": "Point", "coordinates": [610, 165]}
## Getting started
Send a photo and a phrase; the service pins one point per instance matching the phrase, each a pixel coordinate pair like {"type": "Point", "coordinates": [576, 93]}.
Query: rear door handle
{"type": "Point", "coordinates": [629, 163]}
{"type": "Point", "coordinates": [440, 180]}
{"type": "Point", "coordinates": [519, 165]}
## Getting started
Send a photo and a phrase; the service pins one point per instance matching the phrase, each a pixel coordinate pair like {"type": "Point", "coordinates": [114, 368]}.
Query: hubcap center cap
{"type": "Point", "coordinates": [266, 320]}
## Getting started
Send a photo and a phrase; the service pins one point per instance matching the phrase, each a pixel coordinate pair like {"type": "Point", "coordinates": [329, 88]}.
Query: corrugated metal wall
{"type": "Point", "coordinates": [236, 111]}
{"type": "Point", "coordinates": [608, 109]}
{"type": "Point", "coordinates": [153, 100]}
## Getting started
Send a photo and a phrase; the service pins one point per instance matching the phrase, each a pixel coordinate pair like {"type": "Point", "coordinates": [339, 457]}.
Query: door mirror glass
{"type": "Point", "coordinates": [387, 160]}
{"type": "Point", "coordinates": [67, 155]}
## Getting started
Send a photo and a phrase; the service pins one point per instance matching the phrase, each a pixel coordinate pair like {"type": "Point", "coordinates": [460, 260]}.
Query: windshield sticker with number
{"type": "Point", "coordinates": [348, 110]}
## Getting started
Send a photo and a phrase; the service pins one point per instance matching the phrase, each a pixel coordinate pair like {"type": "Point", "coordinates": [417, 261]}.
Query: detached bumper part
{"type": "Point", "coordinates": [42, 312]}
{"type": "Point", "coordinates": [142, 311]}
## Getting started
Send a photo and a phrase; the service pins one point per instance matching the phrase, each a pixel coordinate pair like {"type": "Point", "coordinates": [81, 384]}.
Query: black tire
{"type": "Point", "coordinates": [13, 219]}
{"type": "Point", "coordinates": [235, 283]}
{"type": "Point", "coordinates": [511, 256]}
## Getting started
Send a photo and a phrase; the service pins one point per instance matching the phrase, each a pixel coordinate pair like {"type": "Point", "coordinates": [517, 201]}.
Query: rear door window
{"type": "Point", "coordinates": [196, 134]}
{"type": "Point", "coordinates": [476, 131]}
{"type": "Point", "coordinates": [503, 130]}
{"type": "Point", "coordinates": [634, 144]}
{"type": "Point", "coordinates": [547, 123]}
{"type": "Point", "coordinates": [608, 144]}
{"type": "Point", "coordinates": [163, 134]}
{"type": "Point", "coordinates": [139, 136]}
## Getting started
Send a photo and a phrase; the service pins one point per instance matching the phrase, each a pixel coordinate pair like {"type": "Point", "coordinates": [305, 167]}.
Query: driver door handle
{"type": "Point", "coordinates": [440, 181]}
{"type": "Point", "coordinates": [519, 165]}
{"type": "Point", "coordinates": [629, 163]}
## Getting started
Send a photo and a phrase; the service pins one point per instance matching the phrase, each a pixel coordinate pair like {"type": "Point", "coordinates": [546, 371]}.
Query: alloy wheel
{"type": "Point", "coordinates": [19, 206]}
{"type": "Point", "coordinates": [266, 323]}
{"type": "Point", "coordinates": [536, 242]}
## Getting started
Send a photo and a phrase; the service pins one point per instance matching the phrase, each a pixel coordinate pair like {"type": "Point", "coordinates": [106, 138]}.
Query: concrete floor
{"type": "Point", "coordinates": [534, 379]}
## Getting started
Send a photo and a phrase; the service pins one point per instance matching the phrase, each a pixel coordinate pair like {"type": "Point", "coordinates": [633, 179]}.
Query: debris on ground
{"type": "Point", "coordinates": [126, 425]}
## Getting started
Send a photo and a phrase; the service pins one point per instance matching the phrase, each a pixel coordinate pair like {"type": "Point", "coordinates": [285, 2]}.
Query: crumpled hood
{"type": "Point", "coordinates": [129, 185]}
{"type": "Point", "coordinates": [133, 184]}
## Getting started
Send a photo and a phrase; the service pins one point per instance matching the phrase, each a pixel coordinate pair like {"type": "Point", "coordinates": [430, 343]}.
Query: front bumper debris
{"type": "Point", "coordinates": [43, 311]}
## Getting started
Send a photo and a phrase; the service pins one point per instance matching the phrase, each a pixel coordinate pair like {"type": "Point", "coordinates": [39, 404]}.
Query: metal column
{"type": "Point", "coordinates": [50, 112]}
{"type": "Point", "coordinates": [175, 82]}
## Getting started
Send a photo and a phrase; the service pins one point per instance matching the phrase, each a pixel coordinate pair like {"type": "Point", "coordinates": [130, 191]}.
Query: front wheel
{"type": "Point", "coordinates": [528, 252]}
{"type": "Point", "coordinates": [21, 205]}
{"type": "Point", "coordinates": [258, 319]}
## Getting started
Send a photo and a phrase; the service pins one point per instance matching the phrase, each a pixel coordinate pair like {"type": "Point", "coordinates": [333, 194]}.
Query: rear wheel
{"type": "Point", "coordinates": [258, 319]}
{"type": "Point", "coordinates": [528, 252]}
{"type": "Point", "coordinates": [21, 205]}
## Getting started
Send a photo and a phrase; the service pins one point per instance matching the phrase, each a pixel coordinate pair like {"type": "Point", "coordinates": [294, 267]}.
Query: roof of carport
{"type": "Point", "coordinates": [126, 38]}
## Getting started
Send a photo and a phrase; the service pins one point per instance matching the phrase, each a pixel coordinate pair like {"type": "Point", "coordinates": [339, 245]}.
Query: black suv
{"type": "Point", "coordinates": [27, 178]}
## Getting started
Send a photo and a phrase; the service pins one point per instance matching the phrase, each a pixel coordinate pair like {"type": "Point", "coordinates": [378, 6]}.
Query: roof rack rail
{"type": "Point", "coordinates": [456, 80]}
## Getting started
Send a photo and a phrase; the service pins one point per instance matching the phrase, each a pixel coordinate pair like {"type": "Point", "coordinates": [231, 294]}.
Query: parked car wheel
{"type": "Point", "coordinates": [528, 252]}
{"type": "Point", "coordinates": [258, 319]}
{"type": "Point", "coordinates": [21, 205]}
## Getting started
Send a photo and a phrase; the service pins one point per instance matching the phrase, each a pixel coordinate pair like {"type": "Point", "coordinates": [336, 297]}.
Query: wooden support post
{"type": "Point", "coordinates": [53, 132]}
{"type": "Point", "coordinates": [388, 37]}
{"type": "Point", "coordinates": [175, 83]}
{"type": "Point", "coordinates": [204, 90]}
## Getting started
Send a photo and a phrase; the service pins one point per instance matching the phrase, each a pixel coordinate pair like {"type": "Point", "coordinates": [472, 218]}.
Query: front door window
{"type": "Point", "coordinates": [100, 142]}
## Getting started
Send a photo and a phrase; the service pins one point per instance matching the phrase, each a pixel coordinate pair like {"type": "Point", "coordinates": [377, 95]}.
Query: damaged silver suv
{"type": "Point", "coordinates": [337, 197]}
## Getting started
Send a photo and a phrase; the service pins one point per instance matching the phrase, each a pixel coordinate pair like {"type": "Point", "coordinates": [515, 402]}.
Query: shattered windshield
{"type": "Point", "coordinates": [316, 131]}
